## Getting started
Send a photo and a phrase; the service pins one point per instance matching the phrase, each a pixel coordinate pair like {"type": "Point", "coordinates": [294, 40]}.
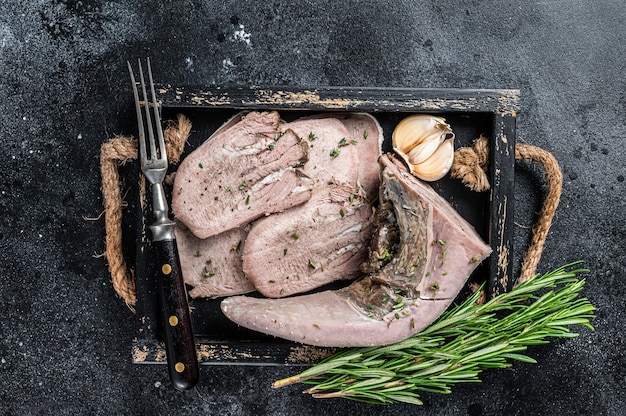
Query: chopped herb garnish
{"type": "Point", "coordinates": [387, 256]}
{"type": "Point", "coordinates": [180, 190]}
{"type": "Point", "coordinates": [228, 189]}
{"type": "Point", "coordinates": [343, 142]}
{"type": "Point", "coordinates": [365, 134]}
{"type": "Point", "coordinates": [353, 141]}
{"type": "Point", "coordinates": [198, 254]}
{"type": "Point", "coordinates": [272, 146]}
{"type": "Point", "coordinates": [237, 247]}
{"type": "Point", "coordinates": [248, 199]}
{"type": "Point", "coordinates": [207, 273]}
{"type": "Point", "coordinates": [295, 236]}
{"type": "Point", "coordinates": [282, 291]}
{"type": "Point", "coordinates": [272, 281]}
{"type": "Point", "coordinates": [342, 212]}
{"type": "Point", "coordinates": [351, 198]}
{"type": "Point", "coordinates": [312, 265]}
{"type": "Point", "coordinates": [397, 315]}
{"type": "Point", "coordinates": [385, 298]}
{"type": "Point", "coordinates": [334, 153]}
{"type": "Point", "coordinates": [200, 165]}
{"type": "Point", "coordinates": [316, 326]}
{"type": "Point", "coordinates": [474, 260]}
{"type": "Point", "coordinates": [312, 136]}
{"type": "Point", "coordinates": [284, 252]}
{"type": "Point", "coordinates": [371, 306]}
{"type": "Point", "coordinates": [243, 185]}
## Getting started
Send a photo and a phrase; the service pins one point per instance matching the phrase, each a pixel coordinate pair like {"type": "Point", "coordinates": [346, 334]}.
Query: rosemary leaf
{"type": "Point", "coordinates": [520, 357]}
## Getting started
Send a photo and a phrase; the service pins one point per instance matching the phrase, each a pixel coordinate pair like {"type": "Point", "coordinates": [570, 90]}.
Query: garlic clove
{"type": "Point", "coordinates": [438, 164]}
{"type": "Point", "coordinates": [424, 150]}
{"type": "Point", "coordinates": [412, 130]}
{"type": "Point", "coordinates": [418, 136]}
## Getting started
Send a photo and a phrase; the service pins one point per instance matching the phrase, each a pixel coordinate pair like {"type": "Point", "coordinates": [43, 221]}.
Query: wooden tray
{"type": "Point", "coordinates": [469, 112]}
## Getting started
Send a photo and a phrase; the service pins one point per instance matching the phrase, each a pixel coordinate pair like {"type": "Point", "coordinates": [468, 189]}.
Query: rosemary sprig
{"type": "Point", "coordinates": [464, 341]}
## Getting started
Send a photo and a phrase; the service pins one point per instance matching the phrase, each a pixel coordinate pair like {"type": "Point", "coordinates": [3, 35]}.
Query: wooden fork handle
{"type": "Point", "coordinates": [182, 360]}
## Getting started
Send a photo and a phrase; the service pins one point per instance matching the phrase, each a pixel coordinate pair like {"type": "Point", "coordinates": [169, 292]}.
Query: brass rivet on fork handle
{"type": "Point", "coordinates": [179, 342]}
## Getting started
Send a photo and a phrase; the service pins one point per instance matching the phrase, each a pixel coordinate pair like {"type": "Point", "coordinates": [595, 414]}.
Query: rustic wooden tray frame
{"type": "Point", "coordinates": [500, 105]}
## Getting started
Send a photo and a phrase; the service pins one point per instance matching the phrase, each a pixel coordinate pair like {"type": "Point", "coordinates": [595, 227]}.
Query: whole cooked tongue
{"type": "Point", "coordinates": [437, 251]}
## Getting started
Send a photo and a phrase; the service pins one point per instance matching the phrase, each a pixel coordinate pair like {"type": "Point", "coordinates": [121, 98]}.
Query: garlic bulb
{"type": "Point", "coordinates": [426, 143]}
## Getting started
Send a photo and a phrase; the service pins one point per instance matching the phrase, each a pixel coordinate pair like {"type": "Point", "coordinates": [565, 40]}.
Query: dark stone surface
{"type": "Point", "coordinates": [65, 336]}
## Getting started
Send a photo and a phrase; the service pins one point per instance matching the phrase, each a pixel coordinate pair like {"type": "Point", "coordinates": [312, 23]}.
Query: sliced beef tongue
{"type": "Point", "coordinates": [327, 238]}
{"type": "Point", "coordinates": [244, 171]}
{"type": "Point", "coordinates": [213, 265]}
{"type": "Point", "coordinates": [323, 240]}
{"type": "Point", "coordinates": [437, 252]}
{"type": "Point", "coordinates": [367, 135]}
{"type": "Point", "coordinates": [330, 157]}
{"type": "Point", "coordinates": [361, 136]}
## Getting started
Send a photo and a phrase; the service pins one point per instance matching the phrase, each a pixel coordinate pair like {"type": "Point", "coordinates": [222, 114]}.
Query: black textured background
{"type": "Point", "coordinates": [65, 336]}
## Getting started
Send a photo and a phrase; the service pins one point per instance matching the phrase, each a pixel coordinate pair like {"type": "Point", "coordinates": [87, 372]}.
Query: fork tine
{"type": "Point", "coordinates": [142, 134]}
{"type": "Point", "coordinates": [146, 105]}
{"type": "Point", "coordinates": [157, 118]}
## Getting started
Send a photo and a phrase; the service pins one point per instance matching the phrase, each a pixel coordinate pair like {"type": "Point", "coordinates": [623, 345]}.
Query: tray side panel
{"type": "Point", "coordinates": [502, 162]}
{"type": "Point", "coordinates": [342, 98]}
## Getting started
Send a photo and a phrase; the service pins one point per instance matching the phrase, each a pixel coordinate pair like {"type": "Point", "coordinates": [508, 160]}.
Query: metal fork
{"type": "Point", "coordinates": [179, 343]}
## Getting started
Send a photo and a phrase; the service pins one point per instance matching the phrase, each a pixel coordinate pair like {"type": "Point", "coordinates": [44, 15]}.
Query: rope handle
{"type": "Point", "coordinates": [116, 152]}
{"type": "Point", "coordinates": [470, 165]}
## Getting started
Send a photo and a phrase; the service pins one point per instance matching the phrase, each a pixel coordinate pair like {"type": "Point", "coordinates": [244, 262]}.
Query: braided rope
{"type": "Point", "coordinates": [470, 165]}
{"type": "Point", "coordinates": [117, 152]}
